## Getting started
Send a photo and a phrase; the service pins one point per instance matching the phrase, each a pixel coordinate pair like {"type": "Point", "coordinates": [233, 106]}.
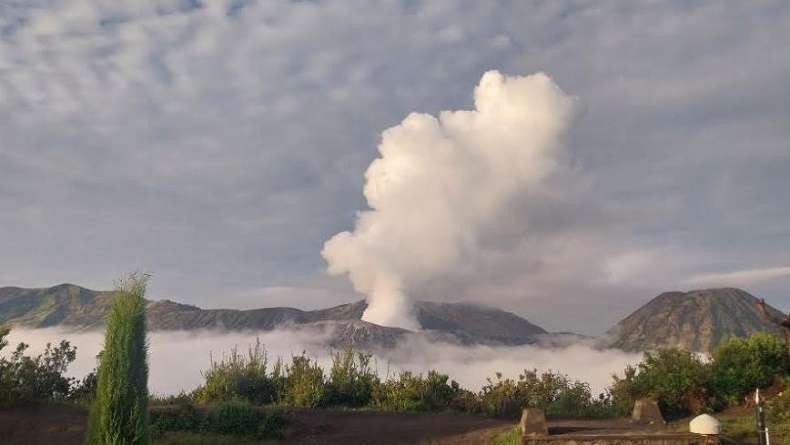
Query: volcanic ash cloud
{"type": "Point", "coordinates": [442, 186]}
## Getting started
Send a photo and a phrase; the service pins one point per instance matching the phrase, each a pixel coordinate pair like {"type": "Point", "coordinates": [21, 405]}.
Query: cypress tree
{"type": "Point", "coordinates": [119, 413]}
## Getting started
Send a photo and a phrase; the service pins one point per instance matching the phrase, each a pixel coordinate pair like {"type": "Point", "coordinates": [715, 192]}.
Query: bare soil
{"type": "Point", "coordinates": [65, 425]}
{"type": "Point", "coordinates": [43, 425]}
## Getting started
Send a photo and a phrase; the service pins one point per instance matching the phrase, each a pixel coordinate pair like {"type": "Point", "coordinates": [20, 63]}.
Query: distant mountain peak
{"type": "Point", "coordinates": [697, 320]}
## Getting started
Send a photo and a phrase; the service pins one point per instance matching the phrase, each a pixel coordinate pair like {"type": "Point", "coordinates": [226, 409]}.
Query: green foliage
{"type": "Point", "coordinates": [173, 399]}
{"type": "Point", "coordinates": [683, 383]}
{"type": "Point", "coordinates": [351, 380]}
{"type": "Point", "coordinates": [183, 417]}
{"type": "Point", "coordinates": [305, 382]}
{"type": "Point", "coordinates": [415, 392]}
{"type": "Point", "coordinates": [243, 377]}
{"type": "Point", "coordinates": [25, 379]}
{"type": "Point", "coordinates": [511, 436]}
{"type": "Point", "coordinates": [677, 379]}
{"type": "Point", "coordinates": [119, 412]}
{"type": "Point", "coordinates": [623, 392]}
{"type": "Point", "coordinates": [742, 364]}
{"type": "Point", "coordinates": [551, 392]}
{"type": "Point", "coordinates": [232, 417]}
{"type": "Point", "coordinates": [85, 389]}
{"type": "Point", "coordinates": [229, 418]}
{"type": "Point", "coordinates": [680, 381]}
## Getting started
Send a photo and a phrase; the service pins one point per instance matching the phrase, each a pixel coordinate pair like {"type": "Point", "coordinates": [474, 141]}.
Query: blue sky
{"type": "Point", "coordinates": [219, 144]}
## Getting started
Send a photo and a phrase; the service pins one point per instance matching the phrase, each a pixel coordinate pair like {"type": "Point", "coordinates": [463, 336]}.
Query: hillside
{"type": "Point", "coordinates": [697, 320]}
{"type": "Point", "coordinates": [74, 306]}
{"type": "Point", "coordinates": [65, 304]}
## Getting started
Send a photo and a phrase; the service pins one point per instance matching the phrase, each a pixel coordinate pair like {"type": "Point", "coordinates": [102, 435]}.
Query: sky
{"type": "Point", "coordinates": [221, 144]}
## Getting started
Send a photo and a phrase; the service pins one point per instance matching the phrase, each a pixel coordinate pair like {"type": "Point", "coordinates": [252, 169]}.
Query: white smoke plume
{"type": "Point", "coordinates": [445, 187]}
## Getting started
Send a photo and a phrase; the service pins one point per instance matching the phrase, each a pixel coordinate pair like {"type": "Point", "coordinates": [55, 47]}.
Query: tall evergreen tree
{"type": "Point", "coordinates": [119, 413]}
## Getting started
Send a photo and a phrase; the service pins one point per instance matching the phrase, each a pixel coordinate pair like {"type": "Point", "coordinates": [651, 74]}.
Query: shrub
{"type": "Point", "coordinates": [85, 389]}
{"type": "Point", "coordinates": [677, 379]}
{"type": "Point", "coordinates": [305, 382]}
{"type": "Point", "coordinates": [410, 392]}
{"type": "Point", "coordinates": [237, 376]}
{"type": "Point", "coordinates": [503, 398]}
{"type": "Point", "coordinates": [183, 417]}
{"type": "Point", "coordinates": [119, 412]}
{"type": "Point", "coordinates": [742, 364]}
{"type": "Point", "coordinates": [25, 379]}
{"type": "Point", "coordinates": [623, 392]}
{"type": "Point", "coordinates": [232, 417]}
{"type": "Point", "coordinates": [229, 418]}
{"type": "Point", "coordinates": [351, 379]}
{"type": "Point", "coordinates": [552, 392]}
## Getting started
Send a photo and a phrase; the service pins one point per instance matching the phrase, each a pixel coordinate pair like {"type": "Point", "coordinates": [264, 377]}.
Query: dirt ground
{"type": "Point", "coordinates": [65, 425]}
{"type": "Point", "coordinates": [43, 425]}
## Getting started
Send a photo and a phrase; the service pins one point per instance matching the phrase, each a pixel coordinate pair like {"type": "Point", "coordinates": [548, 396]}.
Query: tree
{"type": "Point", "coordinates": [742, 364]}
{"type": "Point", "coordinates": [119, 413]}
{"type": "Point", "coordinates": [25, 379]}
{"type": "Point", "coordinates": [676, 378]}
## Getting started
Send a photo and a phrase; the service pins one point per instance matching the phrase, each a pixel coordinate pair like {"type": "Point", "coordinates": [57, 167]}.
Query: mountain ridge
{"type": "Point", "coordinates": [696, 320]}
{"type": "Point", "coordinates": [74, 306]}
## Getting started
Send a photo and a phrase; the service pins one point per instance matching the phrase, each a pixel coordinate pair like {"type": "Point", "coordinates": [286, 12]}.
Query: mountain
{"type": "Point", "coordinates": [65, 304]}
{"type": "Point", "coordinates": [75, 306]}
{"type": "Point", "coordinates": [697, 320]}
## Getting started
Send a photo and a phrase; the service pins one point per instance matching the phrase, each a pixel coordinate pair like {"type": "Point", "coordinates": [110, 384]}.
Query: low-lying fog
{"type": "Point", "coordinates": [176, 359]}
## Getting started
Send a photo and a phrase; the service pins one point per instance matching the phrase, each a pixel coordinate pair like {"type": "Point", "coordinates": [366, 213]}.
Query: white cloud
{"type": "Point", "coordinates": [219, 146]}
{"type": "Point", "coordinates": [741, 277]}
{"type": "Point", "coordinates": [176, 359]}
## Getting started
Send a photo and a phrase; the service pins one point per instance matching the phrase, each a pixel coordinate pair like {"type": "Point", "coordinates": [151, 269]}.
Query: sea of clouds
{"type": "Point", "coordinates": [176, 359]}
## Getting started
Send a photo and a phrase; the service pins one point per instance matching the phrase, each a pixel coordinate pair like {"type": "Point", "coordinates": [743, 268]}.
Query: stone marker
{"type": "Point", "coordinates": [646, 411]}
{"type": "Point", "coordinates": [533, 423]}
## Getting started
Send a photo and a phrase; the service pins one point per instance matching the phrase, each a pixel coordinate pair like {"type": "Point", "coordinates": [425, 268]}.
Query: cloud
{"type": "Point", "coordinates": [471, 366]}
{"type": "Point", "coordinates": [741, 277]}
{"type": "Point", "coordinates": [176, 359]}
{"type": "Point", "coordinates": [220, 144]}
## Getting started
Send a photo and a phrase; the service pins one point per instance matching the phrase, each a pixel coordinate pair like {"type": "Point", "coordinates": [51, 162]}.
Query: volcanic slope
{"type": "Point", "coordinates": [697, 320]}
{"type": "Point", "coordinates": [78, 307]}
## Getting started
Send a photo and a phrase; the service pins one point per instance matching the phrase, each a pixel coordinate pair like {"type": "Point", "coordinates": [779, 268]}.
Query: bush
{"type": "Point", "coordinates": [351, 379]}
{"type": "Point", "coordinates": [677, 379]}
{"type": "Point", "coordinates": [551, 392]}
{"type": "Point", "coordinates": [119, 412]}
{"type": "Point", "coordinates": [85, 389]}
{"type": "Point", "coordinates": [742, 364]}
{"type": "Point", "coordinates": [183, 417]}
{"type": "Point", "coordinates": [623, 392]}
{"type": "Point", "coordinates": [229, 418]}
{"type": "Point", "coordinates": [25, 379]}
{"type": "Point", "coordinates": [232, 417]}
{"type": "Point", "coordinates": [410, 392]}
{"type": "Point", "coordinates": [242, 377]}
{"type": "Point", "coordinates": [305, 382]}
